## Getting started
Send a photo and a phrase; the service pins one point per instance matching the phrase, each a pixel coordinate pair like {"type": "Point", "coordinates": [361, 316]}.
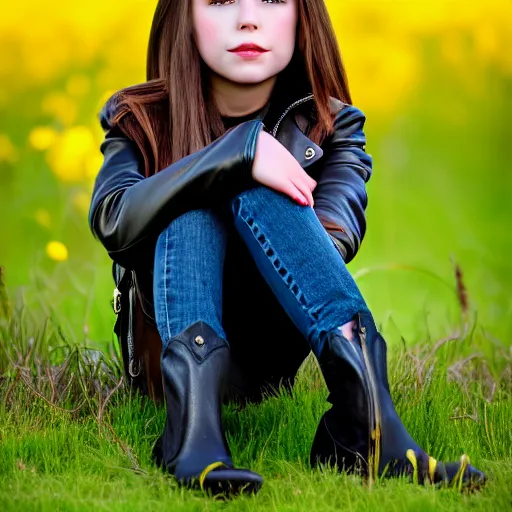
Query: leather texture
{"type": "Point", "coordinates": [363, 426]}
{"type": "Point", "coordinates": [128, 210]}
{"type": "Point", "coordinates": [195, 369]}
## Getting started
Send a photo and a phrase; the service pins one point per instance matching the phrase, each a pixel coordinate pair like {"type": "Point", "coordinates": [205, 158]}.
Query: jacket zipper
{"type": "Point", "coordinates": [294, 104]}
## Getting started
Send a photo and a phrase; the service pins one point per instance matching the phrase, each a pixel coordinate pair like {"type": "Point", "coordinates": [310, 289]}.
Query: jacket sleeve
{"type": "Point", "coordinates": [340, 195]}
{"type": "Point", "coordinates": [128, 211]}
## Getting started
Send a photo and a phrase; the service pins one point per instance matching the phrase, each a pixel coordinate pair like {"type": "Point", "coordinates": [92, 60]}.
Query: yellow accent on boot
{"type": "Point", "coordinates": [206, 470]}
{"type": "Point", "coordinates": [375, 433]}
{"type": "Point", "coordinates": [414, 461]}
{"type": "Point", "coordinates": [432, 463]}
{"type": "Point", "coordinates": [464, 463]}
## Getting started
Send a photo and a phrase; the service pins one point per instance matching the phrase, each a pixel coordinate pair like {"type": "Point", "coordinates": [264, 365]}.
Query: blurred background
{"type": "Point", "coordinates": [434, 79]}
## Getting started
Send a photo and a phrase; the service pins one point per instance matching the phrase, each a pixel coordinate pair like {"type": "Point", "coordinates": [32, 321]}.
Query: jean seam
{"type": "Point", "coordinates": [165, 284]}
{"type": "Point", "coordinates": [305, 305]}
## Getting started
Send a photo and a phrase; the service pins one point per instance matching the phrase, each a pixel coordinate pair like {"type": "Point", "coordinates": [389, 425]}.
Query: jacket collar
{"type": "Point", "coordinates": [304, 150]}
{"type": "Point", "coordinates": [282, 124]}
{"type": "Point", "coordinates": [296, 103]}
{"type": "Point", "coordinates": [290, 126]}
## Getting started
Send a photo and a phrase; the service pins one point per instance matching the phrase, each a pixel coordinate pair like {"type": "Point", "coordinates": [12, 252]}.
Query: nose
{"type": "Point", "coordinates": [247, 15]}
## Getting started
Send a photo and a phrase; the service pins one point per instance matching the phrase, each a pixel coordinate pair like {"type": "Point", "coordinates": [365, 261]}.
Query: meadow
{"type": "Point", "coordinates": [434, 79]}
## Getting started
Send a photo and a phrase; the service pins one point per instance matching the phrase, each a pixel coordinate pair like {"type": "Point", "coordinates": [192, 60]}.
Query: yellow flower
{"type": "Point", "coordinates": [8, 152]}
{"type": "Point", "coordinates": [68, 157]}
{"type": "Point", "coordinates": [93, 164]}
{"type": "Point", "coordinates": [57, 251]}
{"type": "Point", "coordinates": [61, 107]}
{"type": "Point", "coordinates": [42, 137]}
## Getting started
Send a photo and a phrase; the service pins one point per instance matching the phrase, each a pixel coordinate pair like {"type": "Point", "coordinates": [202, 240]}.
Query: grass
{"type": "Point", "coordinates": [73, 437]}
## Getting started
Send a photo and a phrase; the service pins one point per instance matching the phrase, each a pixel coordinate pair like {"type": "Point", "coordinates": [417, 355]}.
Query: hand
{"type": "Point", "coordinates": [275, 167]}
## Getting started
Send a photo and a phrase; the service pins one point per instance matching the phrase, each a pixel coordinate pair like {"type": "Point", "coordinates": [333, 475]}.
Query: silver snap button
{"type": "Point", "coordinates": [199, 340]}
{"type": "Point", "coordinates": [309, 153]}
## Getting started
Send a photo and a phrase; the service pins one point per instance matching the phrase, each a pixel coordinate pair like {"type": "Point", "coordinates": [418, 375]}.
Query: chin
{"type": "Point", "coordinates": [250, 76]}
{"type": "Point", "coordinates": [250, 80]}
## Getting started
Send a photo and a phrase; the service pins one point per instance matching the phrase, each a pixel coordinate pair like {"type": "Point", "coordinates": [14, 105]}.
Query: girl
{"type": "Point", "coordinates": [236, 175]}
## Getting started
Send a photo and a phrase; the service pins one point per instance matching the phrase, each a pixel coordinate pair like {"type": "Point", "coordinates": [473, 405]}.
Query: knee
{"type": "Point", "coordinates": [194, 216]}
{"type": "Point", "coordinates": [261, 195]}
{"type": "Point", "coordinates": [195, 230]}
{"type": "Point", "coordinates": [191, 220]}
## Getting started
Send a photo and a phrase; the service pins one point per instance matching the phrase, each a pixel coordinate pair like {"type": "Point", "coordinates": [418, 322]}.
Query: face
{"type": "Point", "coordinates": [221, 25]}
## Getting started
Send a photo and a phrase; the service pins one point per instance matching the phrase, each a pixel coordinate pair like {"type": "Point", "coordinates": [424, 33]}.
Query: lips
{"type": "Point", "coordinates": [248, 48]}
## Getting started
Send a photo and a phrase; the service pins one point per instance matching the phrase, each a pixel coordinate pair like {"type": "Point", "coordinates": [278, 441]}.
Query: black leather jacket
{"type": "Point", "coordinates": [128, 211]}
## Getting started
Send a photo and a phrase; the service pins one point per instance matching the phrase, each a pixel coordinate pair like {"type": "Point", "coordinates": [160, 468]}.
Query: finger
{"type": "Point", "coordinates": [301, 176]}
{"type": "Point", "coordinates": [304, 189]}
{"type": "Point", "coordinates": [311, 200]}
{"type": "Point", "coordinates": [291, 190]}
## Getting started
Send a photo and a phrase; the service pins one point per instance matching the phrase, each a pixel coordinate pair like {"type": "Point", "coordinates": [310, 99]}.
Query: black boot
{"type": "Point", "coordinates": [362, 431]}
{"type": "Point", "coordinates": [193, 446]}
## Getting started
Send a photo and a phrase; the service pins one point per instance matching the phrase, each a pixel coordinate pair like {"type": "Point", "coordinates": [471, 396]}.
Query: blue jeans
{"type": "Point", "coordinates": [287, 243]}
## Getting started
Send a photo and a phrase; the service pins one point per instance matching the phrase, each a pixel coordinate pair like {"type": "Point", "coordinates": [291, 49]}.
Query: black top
{"type": "Point", "coordinates": [234, 120]}
{"type": "Point", "coordinates": [282, 96]}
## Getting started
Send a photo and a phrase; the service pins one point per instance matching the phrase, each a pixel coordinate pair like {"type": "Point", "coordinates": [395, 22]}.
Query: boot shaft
{"type": "Point", "coordinates": [195, 367]}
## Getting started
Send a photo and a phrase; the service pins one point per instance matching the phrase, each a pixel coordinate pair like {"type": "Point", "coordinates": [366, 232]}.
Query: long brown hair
{"type": "Point", "coordinates": [171, 115]}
